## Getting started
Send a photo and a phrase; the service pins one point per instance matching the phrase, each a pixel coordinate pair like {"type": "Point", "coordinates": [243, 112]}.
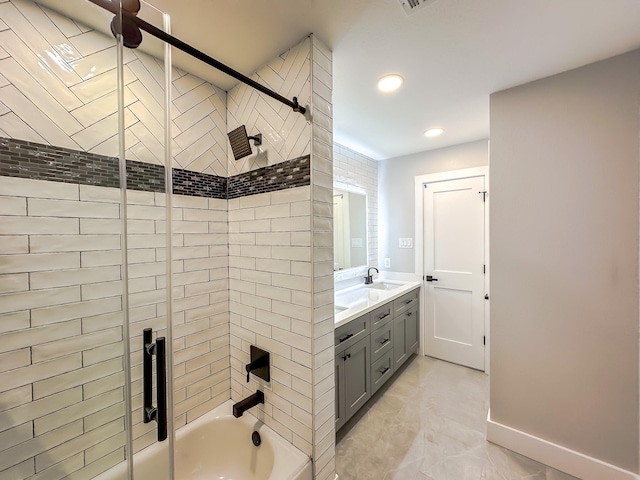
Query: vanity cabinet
{"type": "Point", "coordinates": [352, 373]}
{"type": "Point", "coordinates": [370, 349]}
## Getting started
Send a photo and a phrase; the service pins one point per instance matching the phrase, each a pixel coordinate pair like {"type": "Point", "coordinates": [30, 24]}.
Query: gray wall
{"type": "Point", "coordinates": [564, 259]}
{"type": "Point", "coordinates": [396, 195]}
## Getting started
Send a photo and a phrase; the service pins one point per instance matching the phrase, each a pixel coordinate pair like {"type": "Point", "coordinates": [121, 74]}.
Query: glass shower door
{"type": "Point", "coordinates": [84, 249]}
{"type": "Point", "coordinates": [64, 343]}
{"type": "Point", "coordinates": [145, 73]}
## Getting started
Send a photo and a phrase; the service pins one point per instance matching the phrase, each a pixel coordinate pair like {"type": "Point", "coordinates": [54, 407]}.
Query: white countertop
{"type": "Point", "coordinates": [360, 299]}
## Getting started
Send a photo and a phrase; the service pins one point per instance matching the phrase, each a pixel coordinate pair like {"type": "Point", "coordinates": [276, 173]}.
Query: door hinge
{"type": "Point", "coordinates": [486, 296]}
{"type": "Point", "coordinates": [484, 269]}
{"type": "Point", "coordinates": [484, 340]}
{"type": "Point", "coordinates": [484, 195]}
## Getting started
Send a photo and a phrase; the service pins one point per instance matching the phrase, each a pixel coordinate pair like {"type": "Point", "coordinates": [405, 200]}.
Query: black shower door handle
{"type": "Point", "coordinates": [149, 412]}
{"type": "Point", "coordinates": [161, 378]}
{"type": "Point", "coordinates": [148, 349]}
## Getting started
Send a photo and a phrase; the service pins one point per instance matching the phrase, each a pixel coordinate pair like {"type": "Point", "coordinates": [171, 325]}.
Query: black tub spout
{"type": "Point", "coordinates": [244, 405]}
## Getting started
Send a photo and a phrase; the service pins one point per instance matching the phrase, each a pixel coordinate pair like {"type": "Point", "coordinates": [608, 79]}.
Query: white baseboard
{"type": "Point", "coordinates": [556, 456]}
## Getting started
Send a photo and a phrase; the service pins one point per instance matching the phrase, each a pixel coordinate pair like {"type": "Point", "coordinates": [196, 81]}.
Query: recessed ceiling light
{"type": "Point", "coordinates": [389, 83]}
{"type": "Point", "coordinates": [433, 132]}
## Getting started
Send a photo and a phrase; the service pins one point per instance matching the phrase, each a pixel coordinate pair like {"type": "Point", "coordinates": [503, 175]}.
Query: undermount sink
{"type": "Point", "coordinates": [384, 285]}
{"type": "Point", "coordinates": [361, 295]}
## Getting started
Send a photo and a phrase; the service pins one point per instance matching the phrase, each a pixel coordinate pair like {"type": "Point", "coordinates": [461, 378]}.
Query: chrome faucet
{"type": "Point", "coordinates": [368, 280]}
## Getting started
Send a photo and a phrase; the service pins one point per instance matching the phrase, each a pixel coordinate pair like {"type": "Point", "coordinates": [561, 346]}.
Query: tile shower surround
{"type": "Point", "coordinates": [45, 162]}
{"type": "Point", "coordinates": [61, 277]}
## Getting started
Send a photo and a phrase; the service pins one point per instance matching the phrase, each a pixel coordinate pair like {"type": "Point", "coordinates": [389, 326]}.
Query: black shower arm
{"type": "Point", "coordinates": [188, 49]}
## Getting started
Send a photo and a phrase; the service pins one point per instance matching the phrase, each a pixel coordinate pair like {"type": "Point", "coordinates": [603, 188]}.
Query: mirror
{"type": "Point", "coordinates": [349, 229]}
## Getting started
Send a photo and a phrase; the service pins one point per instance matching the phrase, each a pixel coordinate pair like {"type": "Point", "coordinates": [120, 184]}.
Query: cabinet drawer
{"type": "Point", "coordinates": [405, 302]}
{"type": "Point", "coordinates": [348, 334]}
{"type": "Point", "coordinates": [381, 341]}
{"type": "Point", "coordinates": [381, 315]}
{"type": "Point", "coordinates": [381, 371]}
{"type": "Point", "coordinates": [409, 313]}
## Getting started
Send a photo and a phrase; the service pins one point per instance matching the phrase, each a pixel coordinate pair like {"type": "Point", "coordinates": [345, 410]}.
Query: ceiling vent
{"type": "Point", "coordinates": [412, 6]}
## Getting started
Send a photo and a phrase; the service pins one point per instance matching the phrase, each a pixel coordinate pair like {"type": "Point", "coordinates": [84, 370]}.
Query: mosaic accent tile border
{"type": "Point", "coordinates": [195, 184]}
{"type": "Point", "coordinates": [289, 174]}
{"type": "Point", "coordinates": [19, 158]}
{"type": "Point", "coordinates": [36, 161]}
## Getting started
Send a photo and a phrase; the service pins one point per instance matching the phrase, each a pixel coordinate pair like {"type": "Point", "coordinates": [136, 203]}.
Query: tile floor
{"type": "Point", "coordinates": [429, 424]}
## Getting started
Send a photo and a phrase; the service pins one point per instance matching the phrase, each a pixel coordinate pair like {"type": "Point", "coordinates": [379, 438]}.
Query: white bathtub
{"type": "Point", "coordinates": [218, 446]}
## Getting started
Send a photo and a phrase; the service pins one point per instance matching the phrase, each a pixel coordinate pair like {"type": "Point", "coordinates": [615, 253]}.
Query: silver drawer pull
{"type": "Point", "coordinates": [345, 338]}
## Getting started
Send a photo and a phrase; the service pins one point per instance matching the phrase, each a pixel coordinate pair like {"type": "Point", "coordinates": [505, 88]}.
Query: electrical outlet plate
{"type": "Point", "coordinates": [387, 263]}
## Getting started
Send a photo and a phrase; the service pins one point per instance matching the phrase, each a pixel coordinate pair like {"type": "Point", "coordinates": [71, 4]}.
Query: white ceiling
{"type": "Point", "coordinates": [452, 54]}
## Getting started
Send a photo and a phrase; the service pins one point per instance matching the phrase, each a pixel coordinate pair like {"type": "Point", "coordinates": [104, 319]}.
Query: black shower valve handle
{"type": "Point", "coordinates": [259, 364]}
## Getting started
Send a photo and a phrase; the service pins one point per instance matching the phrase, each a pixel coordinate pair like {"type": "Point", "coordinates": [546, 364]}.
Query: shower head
{"type": "Point", "coordinates": [126, 26]}
{"type": "Point", "coordinates": [240, 142]}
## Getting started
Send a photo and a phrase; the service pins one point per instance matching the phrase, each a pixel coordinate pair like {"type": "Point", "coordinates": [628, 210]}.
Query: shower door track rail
{"type": "Point", "coordinates": [113, 7]}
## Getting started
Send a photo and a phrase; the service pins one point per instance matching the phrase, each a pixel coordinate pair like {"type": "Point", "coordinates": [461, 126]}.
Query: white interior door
{"type": "Point", "coordinates": [454, 270]}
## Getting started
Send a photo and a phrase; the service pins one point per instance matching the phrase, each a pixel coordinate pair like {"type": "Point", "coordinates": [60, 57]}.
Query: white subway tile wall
{"type": "Point", "coordinates": [285, 133]}
{"type": "Point", "coordinates": [59, 87]}
{"type": "Point", "coordinates": [61, 344]}
{"type": "Point", "coordinates": [353, 168]}
{"type": "Point", "coordinates": [322, 213]}
{"type": "Point", "coordinates": [200, 300]}
{"type": "Point", "coordinates": [270, 285]}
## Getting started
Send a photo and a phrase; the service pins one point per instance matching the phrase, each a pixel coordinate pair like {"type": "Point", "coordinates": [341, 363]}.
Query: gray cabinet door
{"type": "Point", "coordinates": [357, 376]}
{"type": "Point", "coordinates": [405, 336]}
{"type": "Point", "coordinates": [399, 341]}
{"type": "Point", "coordinates": [411, 330]}
{"type": "Point", "coordinates": [339, 379]}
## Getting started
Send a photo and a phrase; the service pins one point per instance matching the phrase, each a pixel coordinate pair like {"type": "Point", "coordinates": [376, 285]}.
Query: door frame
{"type": "Point", "coordinates": [419, 246]}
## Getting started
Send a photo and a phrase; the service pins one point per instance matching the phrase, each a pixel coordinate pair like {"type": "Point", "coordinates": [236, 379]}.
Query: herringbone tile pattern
{"type": "Point", "coordinates": [286, 134]}
{"type": "Point", "coordinates": [58, 87]}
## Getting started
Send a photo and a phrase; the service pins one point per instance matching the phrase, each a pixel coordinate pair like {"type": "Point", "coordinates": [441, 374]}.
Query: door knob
{"type": "Point", "coordinates": [431, 279]}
